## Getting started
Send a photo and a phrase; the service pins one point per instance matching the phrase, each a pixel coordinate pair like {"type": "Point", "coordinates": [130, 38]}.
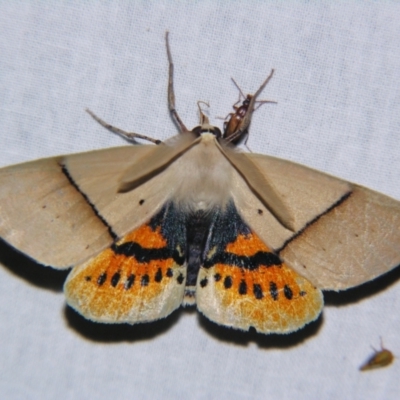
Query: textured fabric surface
{"type": "Point", "coordinates": [337, 84]}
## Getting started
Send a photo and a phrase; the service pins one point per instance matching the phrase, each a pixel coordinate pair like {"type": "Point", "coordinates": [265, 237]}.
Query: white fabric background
{"type": "Point", "coordinates": [337, 84]}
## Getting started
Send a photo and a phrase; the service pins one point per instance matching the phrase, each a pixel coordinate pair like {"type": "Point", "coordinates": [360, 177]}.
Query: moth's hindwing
{"type": "Point", "coordinates": [139, 278]}
{"type": "Point", "coordinates": [242, 284]}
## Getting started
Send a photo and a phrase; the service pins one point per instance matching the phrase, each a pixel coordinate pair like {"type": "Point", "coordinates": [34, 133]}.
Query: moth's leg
{"type": "Point", "coordinates": [130, 136]}
{"type": "Point", "coordinates": [171, 94]}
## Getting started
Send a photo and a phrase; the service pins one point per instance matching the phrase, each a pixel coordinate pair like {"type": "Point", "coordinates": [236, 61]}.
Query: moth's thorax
{"type": "Point", "coordinates": [203, 176]}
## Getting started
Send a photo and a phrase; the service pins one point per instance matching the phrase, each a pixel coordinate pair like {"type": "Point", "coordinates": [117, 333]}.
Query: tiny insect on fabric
{"type": "Point", "coordinates": [381, 358]}
{"type": "Point", "coordinates": [251, 240]}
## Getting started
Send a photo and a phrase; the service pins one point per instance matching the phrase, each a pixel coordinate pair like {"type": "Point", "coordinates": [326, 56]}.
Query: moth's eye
{"type": "Point", "coordinates": [197, 130]}
{"type": "Point", "coordinates": [216, 132]}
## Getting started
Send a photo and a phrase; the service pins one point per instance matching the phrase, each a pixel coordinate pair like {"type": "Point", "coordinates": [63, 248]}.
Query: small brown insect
{"type": "Point", "coordinates": [236, 124]}
{"type": "Point", "coordinates": [381, 358]}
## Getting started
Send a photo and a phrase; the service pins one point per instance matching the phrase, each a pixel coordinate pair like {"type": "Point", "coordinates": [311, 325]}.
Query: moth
{"type": "Point", "coordinates": [380, 358]}
{"type": "Point", "coordinates": [251, 240]}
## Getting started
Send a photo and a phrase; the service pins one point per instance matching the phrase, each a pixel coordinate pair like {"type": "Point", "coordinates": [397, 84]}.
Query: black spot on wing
{"type": "Point", "coordinates": [257, 290]}
{"type": "Point", "coordinates": [102, 278]}
{"type": "Point", "coordinates": [243, 287]}
{"type": "Point", "coordinates": [115, 279]}
{"type": "Point", "coordinates": [288, 292]}
{"type": "Point", "coordinates": [129, 281]}
{"type": "Point", "coordinates": [228, 282]}
{"type": "Point", "coordinates": [273, 290]}
{"type": "Point", "coordinates": [145, 280]}
{"type": "Point", "coordinates": [158, 276]}
{"type": "Point", "coordinates": [203, 282]}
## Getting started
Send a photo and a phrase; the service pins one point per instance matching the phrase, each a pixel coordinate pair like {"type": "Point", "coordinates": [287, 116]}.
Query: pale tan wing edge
{"type": "Point", "coordinates": [345, 234]}
{"type": "Point", "coordinates": [60, 211]}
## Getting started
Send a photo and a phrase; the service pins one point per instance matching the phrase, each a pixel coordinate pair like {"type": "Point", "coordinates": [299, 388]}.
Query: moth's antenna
{"type": "Point", "coordinates": [171, 94]}
{"type": "Point", "coordinates": [203, 117]}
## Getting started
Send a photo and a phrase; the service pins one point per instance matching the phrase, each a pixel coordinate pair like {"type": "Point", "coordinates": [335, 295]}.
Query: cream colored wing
{"type": "Point", "coordinates": [62, 210]}
{"type": "Point", "coordinates": [260, 185]}
{"type": "Point", "coordinates": [344, 234]}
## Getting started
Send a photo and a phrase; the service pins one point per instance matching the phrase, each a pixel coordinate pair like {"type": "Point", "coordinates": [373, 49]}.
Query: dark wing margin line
{"type": "Point", "coordinates": [113, 235]}
{"type": "Point", "coordinates": [308, 224]}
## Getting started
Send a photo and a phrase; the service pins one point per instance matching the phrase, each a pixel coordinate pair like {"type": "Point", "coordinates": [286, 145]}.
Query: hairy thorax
{"type": "Point", "coordinates": [203, 177]}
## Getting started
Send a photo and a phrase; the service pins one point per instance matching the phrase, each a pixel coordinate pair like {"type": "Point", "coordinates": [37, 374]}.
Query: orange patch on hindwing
{"type": "Point", "coordinates": [139, 278]}
{"type": "Point", "coordinates": [241, 283]}
{"type": "Point", "coordinates": [252, 287]}
{"type": "Point", "coordinates": [246, 245]}
{"type": "Point", "coordinates": [146, 237]}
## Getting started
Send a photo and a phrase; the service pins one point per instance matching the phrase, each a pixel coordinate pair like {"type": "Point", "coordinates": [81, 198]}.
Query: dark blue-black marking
{"type": "Point", "coordinates": [251, 263]}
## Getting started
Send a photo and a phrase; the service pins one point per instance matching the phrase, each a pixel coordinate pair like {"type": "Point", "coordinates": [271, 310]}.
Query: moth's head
{"type": "Point", "coordinates": [207, 128]}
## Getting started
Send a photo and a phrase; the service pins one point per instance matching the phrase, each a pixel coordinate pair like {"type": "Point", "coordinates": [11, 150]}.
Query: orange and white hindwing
{"type": "Point", "coordinates": [212, 259]}
{"type": "Point", "coordinates": [139, 278]}
{"type": "Point", "coordinates": [242, 284]}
